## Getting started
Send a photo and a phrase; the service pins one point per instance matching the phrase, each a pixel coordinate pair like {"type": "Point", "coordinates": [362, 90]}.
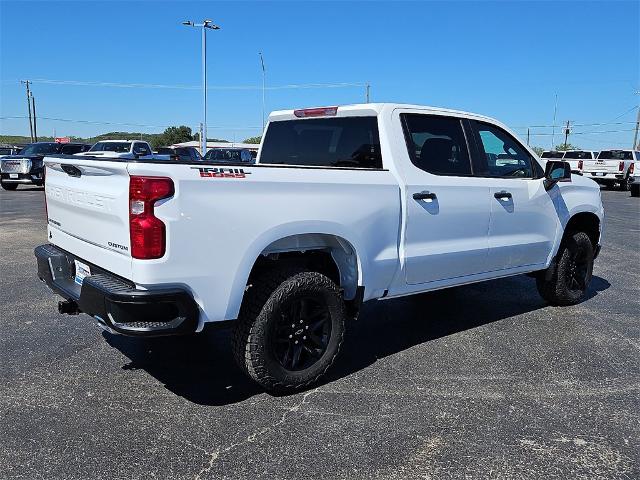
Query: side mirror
{"type": "Point", "coordinates": [555, 172]}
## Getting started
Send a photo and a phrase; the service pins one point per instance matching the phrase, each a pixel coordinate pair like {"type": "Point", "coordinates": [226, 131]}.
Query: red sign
{"type": "Point", "coordinates": [63, 140]}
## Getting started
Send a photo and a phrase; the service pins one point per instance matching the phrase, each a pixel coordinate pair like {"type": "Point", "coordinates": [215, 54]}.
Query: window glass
{"type": "Point", "coordinates": [615, 155]}
{"type": "Point", "coordinates": [501, 155]}
{"type": "Point", "coordinates": [40, 149]}
{"type": "Point", "coordinates": [552, 154]}
{"type": "Point", "coordinates": [580, 155]}
{"type": "Point", "coordinates": [71, 149]}
{"type": "Point", "coordinates": [325, 142]}
{"type": "Point", "coordinates": [120, 147]}
{"type": "Point", "coordinates": [436, 144]}
{"type": "Point", "coordinates": [141, 149]}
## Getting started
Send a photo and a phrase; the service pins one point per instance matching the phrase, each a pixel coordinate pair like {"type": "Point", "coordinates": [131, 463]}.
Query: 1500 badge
{"type": "Point", "coordinates": [217, 172]}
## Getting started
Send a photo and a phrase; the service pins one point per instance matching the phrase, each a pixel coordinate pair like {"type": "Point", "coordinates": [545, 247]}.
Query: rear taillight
{"type": "Point", "coordinates": [621, 167]}
{"type": "Point", "coordinates": [632, 168]}
{"type": "Point", "coordinates": [147, 233]}
{"type": "Point", "coordinates": [579, 164]}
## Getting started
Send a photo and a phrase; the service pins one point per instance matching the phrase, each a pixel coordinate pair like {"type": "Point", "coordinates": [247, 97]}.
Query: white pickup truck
{"type": "Point", "coordinates": [612, 167]}
{"type": "Point", "coordinates": [125, 149]}
{"type": "Point", "coordinates": [345, 204]}
{"type": "Point", "coordinates": [577, 158]}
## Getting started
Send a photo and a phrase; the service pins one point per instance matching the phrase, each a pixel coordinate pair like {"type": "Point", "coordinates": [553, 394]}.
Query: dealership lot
{"type": "Point", "coordinates": [482, 381]}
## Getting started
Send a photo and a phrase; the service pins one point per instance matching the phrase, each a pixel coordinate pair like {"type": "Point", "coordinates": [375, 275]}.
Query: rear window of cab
{"type": "Point", "coordinates": [346, 142]}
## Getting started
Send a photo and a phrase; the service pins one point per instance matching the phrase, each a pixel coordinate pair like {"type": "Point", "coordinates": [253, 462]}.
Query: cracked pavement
{"type": "Point", "coordinates": [481, 381]}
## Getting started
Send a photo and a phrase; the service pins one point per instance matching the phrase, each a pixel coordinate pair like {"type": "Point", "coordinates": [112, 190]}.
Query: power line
{"type": "Point", "coordinates": [96, 122]}
{"type": "Point", "coordinates": [584, 133]}
{"type": "Point", "coordinates": [577, 125]}
{"type": "Point", "coordinates": [196, 87]}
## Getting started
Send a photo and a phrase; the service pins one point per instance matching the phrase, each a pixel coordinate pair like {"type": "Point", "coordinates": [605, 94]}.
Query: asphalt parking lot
{"type": "Point", "coordinates": [482, 381]}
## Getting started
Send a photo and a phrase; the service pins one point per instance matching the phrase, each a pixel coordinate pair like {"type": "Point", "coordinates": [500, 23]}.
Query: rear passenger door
{"type": "Point", "coordinates": [447, 209]}
{"type": "Point", "coordinates": [524, 221]}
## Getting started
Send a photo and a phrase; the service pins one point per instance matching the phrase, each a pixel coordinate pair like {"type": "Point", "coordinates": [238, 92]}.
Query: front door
{"type": "Point", "coordinates": [523, 221]}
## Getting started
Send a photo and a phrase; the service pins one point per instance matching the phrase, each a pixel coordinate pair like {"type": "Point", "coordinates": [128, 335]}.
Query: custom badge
{"type": "Point", "coordinates": [221, 172]}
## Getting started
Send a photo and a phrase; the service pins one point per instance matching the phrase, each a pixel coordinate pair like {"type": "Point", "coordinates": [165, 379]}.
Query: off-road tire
{"type": "Point", "coordinates": [254, 334]}
{"type": "Point", "coordinates": [635, 189]}
{"type": "Point", "coordinates": [558, 284]}
{"type": "Point", "coordinates": [9, 186]}
{"type": "Point", "coordinates": [625, 185]}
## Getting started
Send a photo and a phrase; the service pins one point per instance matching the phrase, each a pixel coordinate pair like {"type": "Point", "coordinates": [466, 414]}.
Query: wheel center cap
{"type": "Point", "coordinates": [298, 332]}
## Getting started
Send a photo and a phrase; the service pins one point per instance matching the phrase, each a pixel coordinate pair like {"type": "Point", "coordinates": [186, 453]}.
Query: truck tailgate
{"type": "Point", "coordinates": [608, 166]}
{"type": "Point", "coordinates": [88, 210]}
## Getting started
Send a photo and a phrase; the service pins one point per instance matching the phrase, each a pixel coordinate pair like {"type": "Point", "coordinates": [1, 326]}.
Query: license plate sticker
{"type": "Point", "coordinates": [13, 175]}
{"type": "Point", "coordinates": [82, 270]}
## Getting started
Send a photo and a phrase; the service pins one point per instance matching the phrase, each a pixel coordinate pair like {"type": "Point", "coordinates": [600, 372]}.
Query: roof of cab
{"type": "Point", "coordinates": [363, 109]}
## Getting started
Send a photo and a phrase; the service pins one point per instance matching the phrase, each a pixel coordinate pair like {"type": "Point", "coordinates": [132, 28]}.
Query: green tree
{"type": "Point", "coordinates": [562, 147]}
{"type": "Point", "coordinates": [172, 135]}
{"type": "Point", "coordinates": [253, 140]}
{"type": "Point", "coordinates": [538, 150]}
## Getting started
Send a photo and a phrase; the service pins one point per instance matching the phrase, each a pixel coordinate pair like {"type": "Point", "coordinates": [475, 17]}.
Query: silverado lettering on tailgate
{"type": "Point", "coordinates": [80, 198]}
{"type": "Point", "coordinates": [221, 172]}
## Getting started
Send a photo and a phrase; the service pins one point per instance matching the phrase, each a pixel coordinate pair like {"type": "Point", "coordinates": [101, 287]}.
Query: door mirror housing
{"type": "Point", "coordinates": [556, 171]}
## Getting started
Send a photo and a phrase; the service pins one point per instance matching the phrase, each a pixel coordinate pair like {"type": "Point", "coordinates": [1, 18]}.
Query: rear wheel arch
{"type": "Point", "coordinates": [330, 254]}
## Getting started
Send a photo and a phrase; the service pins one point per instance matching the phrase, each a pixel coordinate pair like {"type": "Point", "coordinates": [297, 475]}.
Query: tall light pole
{"type": "Point", "coordinates": [204, 26]}
{"type": "Point", "coordinates": [553, 128]}
{"type": "Point", "coordinates": [263, 88]}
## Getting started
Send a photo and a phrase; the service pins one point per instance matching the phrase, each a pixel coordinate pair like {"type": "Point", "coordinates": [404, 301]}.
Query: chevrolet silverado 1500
{"type": "Point", "coordinates": [344, 205]}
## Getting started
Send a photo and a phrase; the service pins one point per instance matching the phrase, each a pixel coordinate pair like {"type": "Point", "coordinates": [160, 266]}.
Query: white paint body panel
{"type": "Point", "coordinates": [218, 227]}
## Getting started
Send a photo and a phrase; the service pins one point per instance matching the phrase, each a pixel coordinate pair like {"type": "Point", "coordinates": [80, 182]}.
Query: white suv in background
{"type": "Point", "coordinates": [612, 167]}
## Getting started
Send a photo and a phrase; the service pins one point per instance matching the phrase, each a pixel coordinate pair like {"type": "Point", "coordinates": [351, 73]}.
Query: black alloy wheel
{"type": "Point", "coordinates": [301, 333]}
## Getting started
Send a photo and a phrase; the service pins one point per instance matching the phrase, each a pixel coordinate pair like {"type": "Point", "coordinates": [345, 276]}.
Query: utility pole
{"type": "Point", "coordinates": [367, 91]}
{"type": "Point", "coordinates": [264, 74]}
{"type": "Point", "coordinates": [206, 24]}
{"type": "Point", "coordinates": [27, 82]}
{"type": "Point", "coordinates": [567, 130]}
{"type": "Point", "coordinates": [553, 128]}
{"type": "Point", "coordinates": [35, 123]}
{"type": "Point", "coordinates": [635, 135]}
{"type": "Point", "coordinates": [528, 135]}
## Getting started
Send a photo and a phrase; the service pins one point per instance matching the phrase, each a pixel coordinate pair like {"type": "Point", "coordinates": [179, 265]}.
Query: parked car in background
{"type": "Point", "coordinates": [552, 155]}
{"type": "Point", "coordinates": [289, 248]}
{"type": "Point", "coordinates": [7, 150]}
{"type": "Point", "coordinates": [129, 149]}
{"type": "Point", "coordinates": [612, 167]}
{"type": "Point", "coordinates": [26, 167]}
{"type": "Point", "coordinates": [576, 158]}
{"type": "Point", "coordinates": [184, 154]}
{"type": "Point", "coordinates": [233, 155]}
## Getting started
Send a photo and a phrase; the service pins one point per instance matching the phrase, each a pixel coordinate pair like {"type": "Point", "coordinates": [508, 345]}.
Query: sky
{"type": "Point", "coordinates": [504, 59]}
